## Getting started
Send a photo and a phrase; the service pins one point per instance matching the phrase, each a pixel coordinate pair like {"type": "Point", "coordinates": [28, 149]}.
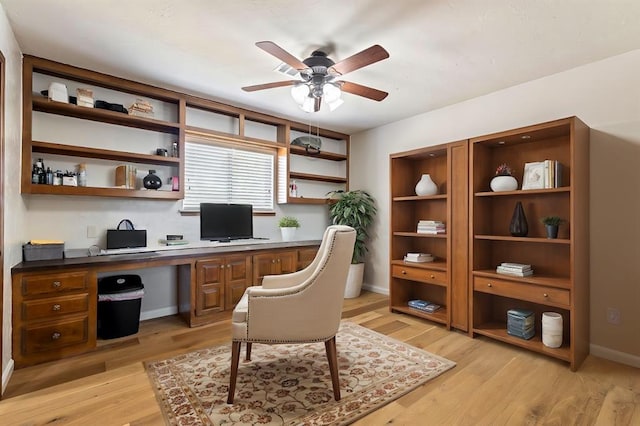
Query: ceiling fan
{"type": "Point", "coordinates": [320, 76]}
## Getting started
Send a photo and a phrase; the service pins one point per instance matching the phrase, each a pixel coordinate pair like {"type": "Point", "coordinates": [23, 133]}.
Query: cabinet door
{"type": "Point", "coordinates": [287, 262]}
{"type": "Point", "coordinates": [264, 264]}
{"type": "Point", "coordinates": [306, 256]}
{"type": "Point", "coordinates": [237, 278]}
{"type": "Point", "coordinates": [210, 286]}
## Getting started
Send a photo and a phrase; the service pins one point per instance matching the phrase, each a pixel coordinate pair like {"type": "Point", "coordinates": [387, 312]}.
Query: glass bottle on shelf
{"type": "Point", "coordinates": [82, 174]}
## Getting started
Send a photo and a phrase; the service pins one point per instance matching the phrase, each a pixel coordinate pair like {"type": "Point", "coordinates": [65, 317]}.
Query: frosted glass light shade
{"type": "Point", "coordinates": [299, 92]}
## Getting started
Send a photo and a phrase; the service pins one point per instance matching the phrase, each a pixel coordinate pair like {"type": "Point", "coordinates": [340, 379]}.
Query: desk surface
{"type": "Point", "coordinates": [162, 253]}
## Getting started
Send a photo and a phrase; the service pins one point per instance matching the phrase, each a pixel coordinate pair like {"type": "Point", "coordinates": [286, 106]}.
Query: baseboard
{"type": "Point", "coordinates": [376, 288]}
{"type": "Point", "coordinates": [6, 375]}
{"type": "Point", "coordinates": [617, 356]}
{"type": "Point", "coordinates": [157, 313]}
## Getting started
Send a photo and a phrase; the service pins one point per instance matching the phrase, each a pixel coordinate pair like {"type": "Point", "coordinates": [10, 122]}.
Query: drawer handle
{"type": "Point", "coordinates": [221, 266]}
{"type": "Point", "coordinates": [56, 307]}
{"type": "Point", "coordinates": [278, 260]}
{"type": "Point", "coordinates": [545, 295]}
{"type": "Point", "coordinates": [56, 336]}
{"type": "Point", "coordinates": [489, 285]}
{"type": "Point", "coordinates": [229, 266]}
{"type": "Point", "coordinates": [273, 261]}
{"type": "Point", "coordinates": [56, 284]}
{"type": "Point", "coordinates": [404, 272]}
{"type": "Point", "coordinates": [433, 276]}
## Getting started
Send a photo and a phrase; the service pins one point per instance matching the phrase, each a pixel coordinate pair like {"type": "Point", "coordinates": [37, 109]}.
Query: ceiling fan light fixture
{"type": "Point", "coordinates": [331, 92]}
{"type": "Point", "coordinates": [308, 104]}
{"type": "Point", "coordinates": [299, 93]}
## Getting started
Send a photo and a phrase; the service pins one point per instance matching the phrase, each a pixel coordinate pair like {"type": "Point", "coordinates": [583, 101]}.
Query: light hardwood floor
{"type": "Point", "coordinates": [492, 384]}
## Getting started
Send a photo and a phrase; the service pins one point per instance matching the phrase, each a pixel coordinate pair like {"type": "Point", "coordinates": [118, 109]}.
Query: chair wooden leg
{"type": "Point", "coordinates": [235, 359]}
{"type": "Point", "coordinates": [332, 357]}
{"type": "Point", "coordinates": [248, 351]}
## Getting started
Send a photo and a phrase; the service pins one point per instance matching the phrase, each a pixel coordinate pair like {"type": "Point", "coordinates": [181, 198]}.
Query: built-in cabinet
{"type": "Point", "coordinates": [274, 263]}
{"type": "Point", "coordinates": [65, 135]}
{"type": "Point", "coordinates": [53, 313]}
{"type": "Point", "coordinates": [55, 302]}
{"type": "Point", "coordinates": [444, 280]}
{"type": "Point", "coordinates": [220, 282]}
{"type": "Point", "coordinates": [463, 277]}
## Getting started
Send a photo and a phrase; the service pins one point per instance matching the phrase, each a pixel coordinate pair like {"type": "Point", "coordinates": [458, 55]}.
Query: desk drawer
{"type": "Point", "coordinates": [531, 292]}
{"type": "Point", "coordinates": [420, 274]}
{"type": "Point", "coordinates": [53, 307]}
{"type": "Point", "coordinates": [54, 283]}
{"type": "Point", "coordinates": [55, 336]}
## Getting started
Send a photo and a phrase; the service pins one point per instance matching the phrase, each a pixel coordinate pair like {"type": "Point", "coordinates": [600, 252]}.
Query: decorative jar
{"type": "Point", "coordinates": [152, 181]}
{"type": "Point", "coordinates": [504, 183]}
{"type": "Point", "coordinates": [426, 186]}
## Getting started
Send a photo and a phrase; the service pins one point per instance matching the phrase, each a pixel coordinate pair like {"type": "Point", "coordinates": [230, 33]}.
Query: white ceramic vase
{"type": "Point", "coordinates": [426, 186]}
{"type": "Point", "coordinates": [552, 329]}
{"type": "Point", "coordinates": [288, 233]}
{"type": "Point", "coordinates": [504, 183]}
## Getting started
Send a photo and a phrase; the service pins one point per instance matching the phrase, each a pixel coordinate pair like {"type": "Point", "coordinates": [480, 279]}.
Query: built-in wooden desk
{"type": "Point", "coordinates": [55, 301]}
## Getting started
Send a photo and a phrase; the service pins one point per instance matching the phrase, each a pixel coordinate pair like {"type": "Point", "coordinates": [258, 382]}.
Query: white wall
{"type": "Point", "coordinates": [606, 96]}
{"type": "Point", "coordinates": [14, 209]}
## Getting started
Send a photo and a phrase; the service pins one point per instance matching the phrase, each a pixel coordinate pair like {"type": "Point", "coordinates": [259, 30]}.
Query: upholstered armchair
{"type": "Point", "coordinates": [301, 307]}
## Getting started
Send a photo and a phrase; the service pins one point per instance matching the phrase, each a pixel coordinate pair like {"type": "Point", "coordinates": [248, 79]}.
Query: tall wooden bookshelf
{"type": "Point", "coordinates": [560, 281]}
{"type": "Point", "coordinates": [445, 280]}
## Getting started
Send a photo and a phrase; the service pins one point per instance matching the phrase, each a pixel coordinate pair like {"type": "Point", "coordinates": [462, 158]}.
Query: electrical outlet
{"type": "Point", "coordinates": [613, 316]}
{"type": "Point", "coordinates": [92, 232]}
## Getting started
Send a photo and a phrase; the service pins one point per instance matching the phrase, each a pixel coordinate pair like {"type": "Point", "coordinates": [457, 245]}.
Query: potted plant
{"type": "Point", "coordinates": [503, 180]}
{"type": "Point", "coordinates": [552, 223]}
{"type": "Point", "coordinates": [356, 209]}
{"type": "Point", "coordinates": [288, 226]}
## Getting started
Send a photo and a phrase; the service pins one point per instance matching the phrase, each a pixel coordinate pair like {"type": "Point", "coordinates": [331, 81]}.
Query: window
{"type": "Point", "coordinates": [220, 173]}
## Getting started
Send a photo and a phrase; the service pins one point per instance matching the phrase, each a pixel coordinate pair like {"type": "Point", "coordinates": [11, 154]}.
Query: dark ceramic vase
{"type": "Point", "coordinates": [518, 226]}
{"type": "Point", "coordinates": [152, 181]}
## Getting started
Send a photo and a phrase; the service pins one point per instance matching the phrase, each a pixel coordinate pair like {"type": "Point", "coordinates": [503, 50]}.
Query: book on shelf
{"type": "Point", "coordinates": [542, 175]}
{"type": "Point", "coordinates": [431, 227]}
{"type": "Point", "coordinates": [423, 305]}
{"type": "Point", "coordinates": [513, 272]}
{"type": "Point", "coordinates": [418, 257]}
{"type": "Point", "coordinates": [515, 265]}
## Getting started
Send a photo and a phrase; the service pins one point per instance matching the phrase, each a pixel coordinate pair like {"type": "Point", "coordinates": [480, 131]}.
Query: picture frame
{"type": "Point", "coordinates": [533, 177]}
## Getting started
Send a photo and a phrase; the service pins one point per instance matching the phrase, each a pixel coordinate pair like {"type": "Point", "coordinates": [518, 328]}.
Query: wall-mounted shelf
{"type": "Point", "coordinates": [106, 154]}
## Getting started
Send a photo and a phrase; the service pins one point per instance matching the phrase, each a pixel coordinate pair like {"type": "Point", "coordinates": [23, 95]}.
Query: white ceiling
{"type": "Point", "coordinates": [441, 51]}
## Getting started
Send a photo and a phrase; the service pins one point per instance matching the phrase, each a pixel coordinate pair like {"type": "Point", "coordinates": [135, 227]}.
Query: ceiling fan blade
{"type": "Point", "coordinates": [364, 91]}
{"type": "Point", "coordinates": [277, 51]}
{"type": "Point", "coordinates": [367, 57]}
{"type": "Point", "coordinates": [316, 105]}
{"type": "Point", "coordinates": [270, 85]}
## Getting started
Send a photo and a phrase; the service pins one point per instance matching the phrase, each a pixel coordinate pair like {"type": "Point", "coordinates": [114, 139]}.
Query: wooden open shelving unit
{"type": "Point", "coordinates": [181, 103]}
{"type": "Point", "coordinates": [560, 282]}
{"type": "Point", "coordinates": [443, 281]}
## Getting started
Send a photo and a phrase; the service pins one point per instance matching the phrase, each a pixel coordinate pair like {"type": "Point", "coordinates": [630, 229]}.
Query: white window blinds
{"type": "Point", "coordinates": [223, 174]}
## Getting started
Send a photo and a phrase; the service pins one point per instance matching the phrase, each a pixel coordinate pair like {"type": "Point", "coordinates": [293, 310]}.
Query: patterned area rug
{"type": "Point", "coordinates": [291, 384]}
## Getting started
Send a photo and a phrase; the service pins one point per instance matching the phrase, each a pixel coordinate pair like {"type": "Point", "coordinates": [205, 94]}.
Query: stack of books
{"type": "Point", "coordinates": [126, 176]}
{"type": "Point", "coordinates": [514, 269]}
{"type": "Point", "coordinates": [418, 257]}
{"type": "Point", "coordinates": [521, 323]}
{"type": "Point", "coordinates": [431, 227]}
{"type": "Point", "coordinates": [542, 174]}
{"type": "Point", "coordinates": [423, 305]}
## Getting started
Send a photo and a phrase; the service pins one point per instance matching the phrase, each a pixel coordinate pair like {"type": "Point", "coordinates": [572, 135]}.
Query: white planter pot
{"type": "Point", "coordinates": [354, 281]}
{"type": "Point", "coordinates": [426, 186]}
{"type": "Point", "coordinates": [504, 183]}
{"type": "Point", "coordinates": [288, 234]}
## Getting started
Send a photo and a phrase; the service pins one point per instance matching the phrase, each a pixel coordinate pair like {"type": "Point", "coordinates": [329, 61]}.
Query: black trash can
{"type": "Point", "coordinates": [119, 300]}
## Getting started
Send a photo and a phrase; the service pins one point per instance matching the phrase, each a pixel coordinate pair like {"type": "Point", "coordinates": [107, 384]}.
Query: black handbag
{"type": "Point", "coordinates": [125, 236]}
